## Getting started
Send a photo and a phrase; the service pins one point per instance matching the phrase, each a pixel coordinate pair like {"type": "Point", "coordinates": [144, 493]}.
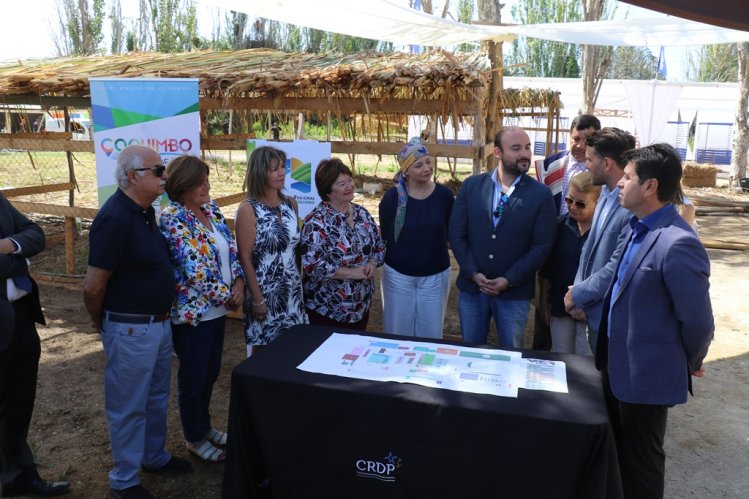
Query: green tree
{"type": "Point", "coordinates": [117, 44]}
{"type": "Point", "coordinates": [165, 26]}
{"type": "Point", "coordinates": [81, 24]}
{"type": "Point", "coordinates": [465, 15]}
{"type": "Point", "coordinates": [632, 63]}
{"type": "Point", "coordinates": [715, 63]}
{"type": "Point", "coordinates": [543, 58]}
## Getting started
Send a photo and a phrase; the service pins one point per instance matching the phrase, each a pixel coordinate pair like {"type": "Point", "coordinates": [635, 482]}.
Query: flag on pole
{"type": "Point", "coordinates": [415, 49]}
{"type": "Point", "coordinates": [661, 72]}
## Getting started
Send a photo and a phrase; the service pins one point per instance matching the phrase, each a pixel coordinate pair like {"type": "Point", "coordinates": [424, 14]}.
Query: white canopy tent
{"type": "Point", "coordinates": [393, 21]}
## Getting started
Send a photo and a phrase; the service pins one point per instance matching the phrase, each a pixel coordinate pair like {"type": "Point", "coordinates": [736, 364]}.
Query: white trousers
{"type": "Point", "coordinates": [569, 336]}
{"type": "Point", "coordinates": [414, 306]}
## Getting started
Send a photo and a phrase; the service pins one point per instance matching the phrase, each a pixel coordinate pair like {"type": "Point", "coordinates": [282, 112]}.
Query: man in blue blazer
{"type": "Point", "coordinates": [501, 232]}
{"type": "Point", "coordinates": [604, 158]}
{"type": "Point", "coordinates": [657, 318]}
{"type": "Point", "coordinates": [20, 238]}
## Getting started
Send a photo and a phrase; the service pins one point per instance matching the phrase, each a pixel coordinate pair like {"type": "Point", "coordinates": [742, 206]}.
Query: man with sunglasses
{"type": "Point", "coordinates": [604, 159]}
{"type": "Point", "coordinates": [128, 292]}
{"type": "Point", "coordinates": [501, 232]}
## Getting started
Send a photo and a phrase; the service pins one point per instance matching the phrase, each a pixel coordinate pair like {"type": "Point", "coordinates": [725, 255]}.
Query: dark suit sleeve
{"type": "Point", "coordinates": [458, 231]}
{"type": "Point", "coordinates": [686, 275]}
{"type": "Point", "coordinates": [26, 233]}
{"type": "Point", "coordinates": [544, 233]}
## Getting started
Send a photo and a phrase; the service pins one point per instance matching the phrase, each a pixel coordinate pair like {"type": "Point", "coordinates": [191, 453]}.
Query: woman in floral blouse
{"type": "Point", "coordinates": [341, 249]}
{"type": "Point", "coordinates": [209, 282]}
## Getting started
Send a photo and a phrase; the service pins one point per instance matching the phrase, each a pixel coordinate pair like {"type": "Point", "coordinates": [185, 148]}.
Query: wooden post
{"type": "Point", "coordinates": [71, 229]}
{"type": "Point", "coordinates": [478, 136]}
{"type": "Point", "coordinates": [69, 245]}
{"type": "Point", "coordinates": [329, 117]}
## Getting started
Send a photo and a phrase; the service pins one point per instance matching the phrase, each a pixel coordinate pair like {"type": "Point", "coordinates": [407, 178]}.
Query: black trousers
{"type": "Point", "coordinates": [19, 365]}
{"type": "Point", "coordinates": [639, 430]}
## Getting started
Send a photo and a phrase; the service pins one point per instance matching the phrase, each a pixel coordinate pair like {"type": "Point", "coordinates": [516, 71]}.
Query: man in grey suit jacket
{"type": "Point", "coordinates": [501, 231]}
{"type": "Point", "coordinates": [20, 238]}
{"type": "Point", "coordinates": [657, 318]}
{"type": "Point", "coordinates": [603, 157]}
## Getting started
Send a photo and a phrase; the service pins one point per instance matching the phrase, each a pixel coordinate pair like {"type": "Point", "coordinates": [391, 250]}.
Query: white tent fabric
{"type": "Point", "coordinates": [376, 19]}
{"type": "Point", "coordinates": [651, 104]}
{"type": "Point", "coordinates": [394, 21]}
{"type": "Point", "coordinates": [665, 31]}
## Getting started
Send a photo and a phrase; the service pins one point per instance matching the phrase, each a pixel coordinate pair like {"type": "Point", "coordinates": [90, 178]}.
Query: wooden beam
{"type": "Point", "coordinates": [231, 199]}
{"type": "Point", "coordinates": [9, 141]}
{"type": "Point", "coordinates": [73, 281]}
{"type": "Point", "coordinates": [37, 189]}
{"type": "Point", "coordinates": [350, 147]}
{"type": "Point", "coordinates": [46, 101]}
{"type": "Point", "coordinates": [344, 105]}
{"type": "Point", "coordinates": [43, 135]}
{"type": "Point", "coordinates": [452, 151]}
{"type": "Point", "coordinates": [55, 209]}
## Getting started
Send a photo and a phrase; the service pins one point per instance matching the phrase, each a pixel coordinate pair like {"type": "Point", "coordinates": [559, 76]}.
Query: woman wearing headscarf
{"type": "Point", "coordinates": [341, 250]}
{"type": "Point", "coordinates": [414, 217]}
{"type": "Point", "coordinates": [210, 281]}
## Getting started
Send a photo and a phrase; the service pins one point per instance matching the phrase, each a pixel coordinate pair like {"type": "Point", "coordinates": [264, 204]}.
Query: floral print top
{"type": "Point", "coordinates": [196, 260]}
{"type": "Point", "coordinates": [277, 272]}
{"type": "Point", "coordinates": [329, 243]}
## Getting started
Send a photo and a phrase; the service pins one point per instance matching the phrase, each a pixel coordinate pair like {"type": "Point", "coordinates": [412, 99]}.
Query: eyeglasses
{"type": "Point", "coordinates": [579, 204]}
{"type": "Point", "coordinates": [158, 170]}
{"type": "Point", "coordinates": [501, 205]}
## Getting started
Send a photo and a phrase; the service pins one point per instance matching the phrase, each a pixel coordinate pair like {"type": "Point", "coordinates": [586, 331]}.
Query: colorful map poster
{"type": "Point", "coordinates": [302, 157]}
{"type": "Point", "coordinates": [161, 113]}
{"type": "Point", "coordinates": [450, 367]}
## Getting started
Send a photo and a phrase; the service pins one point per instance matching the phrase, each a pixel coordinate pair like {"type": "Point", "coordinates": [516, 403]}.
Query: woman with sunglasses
{"type": "Point", "coordinates": [567, 334]}
{"type": "Point", "coordinates": [268, 234]}
{"type": "Point", "coordinates": [210, 281]}
{"type": "Point", "coordinates": [414, 216]}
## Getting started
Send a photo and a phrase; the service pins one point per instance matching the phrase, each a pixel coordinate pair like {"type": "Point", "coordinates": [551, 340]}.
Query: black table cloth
{"type": "Point", "coordinates": [295, 434]}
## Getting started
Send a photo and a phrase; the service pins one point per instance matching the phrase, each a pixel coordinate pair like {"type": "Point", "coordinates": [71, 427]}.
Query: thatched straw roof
{"type": "Point", "coordinates": [261, 72]}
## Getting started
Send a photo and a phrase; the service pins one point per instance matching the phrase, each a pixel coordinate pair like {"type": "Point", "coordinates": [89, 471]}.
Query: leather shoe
{"type": "Point", "coordinates": [175, 466]}
{"type": "Point", "coordinates": [37, 487]}
{"type": "Point", "coordinates": [134, 492]}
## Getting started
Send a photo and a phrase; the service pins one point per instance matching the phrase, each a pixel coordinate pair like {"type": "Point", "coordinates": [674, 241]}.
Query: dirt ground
{"type": "Point", "coordinates": [707, 441]}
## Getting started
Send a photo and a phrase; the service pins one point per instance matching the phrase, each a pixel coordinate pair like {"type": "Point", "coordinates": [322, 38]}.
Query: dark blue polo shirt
{"type": "Point", "coordinates": [562, 264]}
{"type": "Point", "coordinates": [126, 240]}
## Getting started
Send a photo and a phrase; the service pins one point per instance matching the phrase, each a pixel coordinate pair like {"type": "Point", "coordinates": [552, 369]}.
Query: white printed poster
{"type": "Point", "coordinates": [161, 113]}
{"type": "Point", "coordinates": [302, 158]}
{"type": "Point", "coordinates": [450, 367]}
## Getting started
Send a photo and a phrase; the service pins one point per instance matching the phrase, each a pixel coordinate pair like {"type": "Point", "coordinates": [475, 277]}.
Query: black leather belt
{"type": "Point", "coordinates": [135, 318]}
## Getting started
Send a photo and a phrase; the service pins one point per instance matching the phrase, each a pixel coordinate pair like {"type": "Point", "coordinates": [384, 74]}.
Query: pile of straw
{"type": "Point", "coordinates": [699, 175]}
{"type": "Point", "coordinates": [259, 72]}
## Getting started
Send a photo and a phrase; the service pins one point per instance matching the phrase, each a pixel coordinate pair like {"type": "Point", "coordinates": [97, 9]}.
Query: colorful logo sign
{"type": "Point", "coordinates": [301, 173]}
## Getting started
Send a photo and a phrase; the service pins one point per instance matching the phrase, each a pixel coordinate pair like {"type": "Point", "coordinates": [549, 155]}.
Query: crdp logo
{"type": "Point", "coordinates": [380, 470]}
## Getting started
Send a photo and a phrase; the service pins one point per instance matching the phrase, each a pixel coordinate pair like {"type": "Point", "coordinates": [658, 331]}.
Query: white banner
{"type": "Point", "coordinates": [161, 113]}
{"type": "Point", "coordinates": [302, 158]}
